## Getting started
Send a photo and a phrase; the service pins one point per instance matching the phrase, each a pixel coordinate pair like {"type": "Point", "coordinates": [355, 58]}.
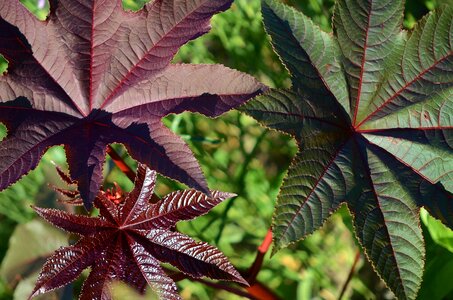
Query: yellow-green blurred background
{"type": "Point", "coordinates": [237, 155]}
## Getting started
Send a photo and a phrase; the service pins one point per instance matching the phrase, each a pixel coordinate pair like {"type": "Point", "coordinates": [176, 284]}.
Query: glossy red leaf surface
{"type": "Point", "coordinates": [129, 240]}
{"type": "Point", "coordinates": [94, 74]}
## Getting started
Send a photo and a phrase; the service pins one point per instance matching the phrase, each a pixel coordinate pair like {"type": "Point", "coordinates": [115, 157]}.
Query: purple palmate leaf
{"type": "Point", "coordinates": [129, 240]}
{"type": "Point", "coordinates": [94, 74]}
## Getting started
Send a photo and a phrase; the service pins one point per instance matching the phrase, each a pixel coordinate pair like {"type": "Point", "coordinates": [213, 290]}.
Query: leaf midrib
{"type": "Point", "coordinates": [326, 168]}
{"type": "Point", "coordinates": [301, 117]}
{"type": "Point", "coordinates": [367, 171]}
{"type": "Point", "coordinates": [402, 89]}
{"type": "Point", "coordinates": [160, 216]}
{"type": "Point", "coordinates": [136, 66]}
{"type": "Point", "coordinates": [362, 66]}
{"type": "Point", "coordinates": [93, 9]}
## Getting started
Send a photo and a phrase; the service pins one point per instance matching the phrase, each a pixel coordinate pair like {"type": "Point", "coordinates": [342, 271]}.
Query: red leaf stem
{"type": "Point", "coordinates": [124, 167]}
{"type": "Point", "coordinates": [261, 252]}
{"type": "Point", "coordinates": [351, 273]}
{"type": "Point", "coordinates": [120, 163]}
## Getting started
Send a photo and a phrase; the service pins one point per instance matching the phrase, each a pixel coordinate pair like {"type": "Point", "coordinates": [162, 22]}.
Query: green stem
{"type": "Point", "coordinates": [245, 165]}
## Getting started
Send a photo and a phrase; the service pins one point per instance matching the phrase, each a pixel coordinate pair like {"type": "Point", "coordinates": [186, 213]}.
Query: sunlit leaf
{"type": "Point", "coordinates": [93, 74]}
{"type": "Point", "coordinates": [371, 110]}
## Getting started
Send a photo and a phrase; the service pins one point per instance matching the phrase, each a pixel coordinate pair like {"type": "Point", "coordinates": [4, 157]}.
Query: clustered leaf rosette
{"type": "Point", "coordinates": [371, 108]}
{"type": "Point", "coordinates": [130, 238]}
{"type": "Point", "coordinates": [93, 74]}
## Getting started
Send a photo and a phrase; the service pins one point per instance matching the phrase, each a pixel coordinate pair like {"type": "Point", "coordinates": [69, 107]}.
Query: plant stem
{"type": "Point", "coordinates": [261, 252]}
{"type": "Point", "coordinates": [261, 292]}
{"type": "Point", "coordinates": [351, 273]}
{"type": "Point", "coordinates": [178, 276]}
{"type": "Point", "coordinates": [245, 165]}
{"type": "Point", "coordinates": [257, 289]}
{"type": "Point", "coordinates": [124, 167]}
{"type": "Point", "coordinates": [225, 288]}
{"type": "Point", "coordinates": [120, 163]}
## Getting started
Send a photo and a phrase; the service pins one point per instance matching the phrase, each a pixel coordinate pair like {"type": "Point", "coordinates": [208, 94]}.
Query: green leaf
{"type": "Point", "coordinates": [371, 110]}
{"type": "Point", "coordinates": [387, 223]}
{"type": "Point", "coordinates": [440, 234]}
{"type": "Point", "coordinates": [368, 33]}
{"type": "Point", "coordinates": [437, 280]}
{"type": "Point", "coordinates": [311, 55]}
{"type": "Point", "coordinates": [3, 65]}
{"type": "Point", "coordinates": [427, 152]}
{"type": "Point", "coordinates": [439, 261]}
{"type": "Point", "coordinates": [39, 8]}
{"type": "Point", "coordinates": [323, 157]}
{"type": "Point", "coordinates": [418, 93]}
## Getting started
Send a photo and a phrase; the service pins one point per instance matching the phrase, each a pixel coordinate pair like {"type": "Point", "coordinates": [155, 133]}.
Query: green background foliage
{"type": "Point", "coordinates": [237, 155]}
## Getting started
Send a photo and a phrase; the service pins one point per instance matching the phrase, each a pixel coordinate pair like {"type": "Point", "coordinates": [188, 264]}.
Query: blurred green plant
{"type": "Point", "coordinates": [3, 64]}
{"type": "Point", "coordinates": [238, 40]}
{"type": "Point", "coordinates": [40, 8]}
{"type": "Point", "coordinates": [439, 259]}
{"type": "Point", "coordinates": [29, 246]}
{"type": "Point", "coordinates": [320, 11]}
{"type": "Point", "coordinates": [122, 291]}
{"type": "Point", "coordinates": [440, 234]}
{"type": "Point", "coordinates": [237, 155]}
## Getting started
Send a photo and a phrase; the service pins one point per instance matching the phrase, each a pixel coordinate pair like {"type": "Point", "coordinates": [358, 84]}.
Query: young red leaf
{"type": "Point", "coordinates": [371, 109]}
{"type": "Point", "coordinates": [129, 239]}
{"type": "Point", "coordinates": [93, 74]}
{"type": "Point", "coordinates": [178, 206]}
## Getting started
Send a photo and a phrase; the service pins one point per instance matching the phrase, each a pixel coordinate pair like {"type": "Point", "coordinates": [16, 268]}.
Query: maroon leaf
{"type": "Point", "coordinates": [129, 239]}
{"type": "Point", "coordinates": [71, 223]}
{"type": "Point", "coordinates": [195, 259]}
{"type": "Point", "coordinates": [178, 206]}
{"type": "Point", "coordinates": [96, 285]}
{"type": "Point", "coordinates": [93, 74]}
{"type": "Point", "coordinates": [68, 263]}
{"type": "Point", "coordinates": [138, 199]}
{"type": "Point", "coordinates": [63, 175]}
{"type": "Point", "coordinates": [152, 272]}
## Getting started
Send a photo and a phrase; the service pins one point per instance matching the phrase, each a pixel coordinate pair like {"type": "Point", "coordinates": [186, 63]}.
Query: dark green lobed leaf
{"type": "Point", "coordinates": [370, 109]}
